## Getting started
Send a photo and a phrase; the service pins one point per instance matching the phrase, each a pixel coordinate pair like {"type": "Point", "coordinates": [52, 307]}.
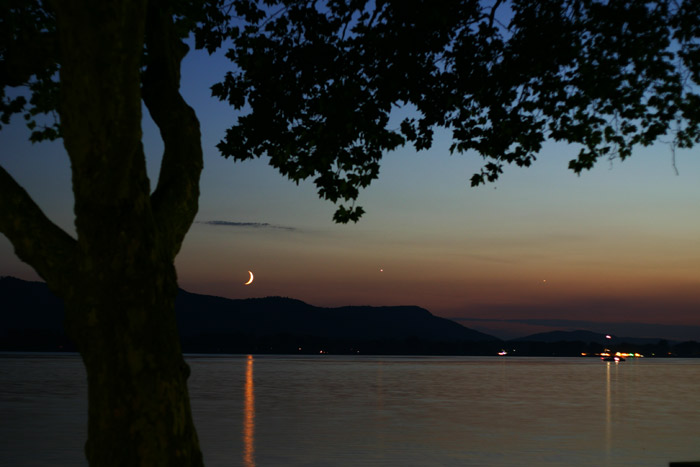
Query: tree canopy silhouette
{"type": "Point", "coordinates": [320, 85]}
{"type": "Point", "coordinates": [503, 78]}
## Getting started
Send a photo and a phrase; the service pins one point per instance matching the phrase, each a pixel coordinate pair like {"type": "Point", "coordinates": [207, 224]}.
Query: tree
{"type": "Point", "coordinates": [604, 76]}
{"type": "Point", "coordinates": [320, 80]}
{"type": "Point", "coordinates": [117, 278]}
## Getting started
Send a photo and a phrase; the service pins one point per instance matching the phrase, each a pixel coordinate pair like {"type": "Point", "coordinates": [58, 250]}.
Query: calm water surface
{"type": "Point", "coordinates": [405, 411]}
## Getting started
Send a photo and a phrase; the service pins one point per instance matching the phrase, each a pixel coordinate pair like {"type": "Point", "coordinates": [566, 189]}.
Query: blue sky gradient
{"type": "Point", "coordinates": [618, 244]}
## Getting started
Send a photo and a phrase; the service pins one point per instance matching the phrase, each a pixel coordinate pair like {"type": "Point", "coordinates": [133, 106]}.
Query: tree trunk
{"type": "Point", "coordinates": [117, 278]}
{"type": "Point", "coordinates": [139, 410]}
{"type": "Point", "coordinates": [120, 299]}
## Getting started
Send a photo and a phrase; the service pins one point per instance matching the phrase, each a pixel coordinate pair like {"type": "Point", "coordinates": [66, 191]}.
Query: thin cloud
{"type": "Point", "coordinates": [253, 225]}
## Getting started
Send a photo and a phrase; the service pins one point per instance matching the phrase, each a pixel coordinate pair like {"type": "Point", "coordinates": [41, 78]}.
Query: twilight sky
{"type": "Point", "coordinates": [541, 249]}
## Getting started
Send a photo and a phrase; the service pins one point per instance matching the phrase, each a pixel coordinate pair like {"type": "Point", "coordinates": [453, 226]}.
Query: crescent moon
{"type": "Point", "coordinates": [250, 281]}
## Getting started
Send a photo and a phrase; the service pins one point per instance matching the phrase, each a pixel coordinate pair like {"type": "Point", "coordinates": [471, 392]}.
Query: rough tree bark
{"type": "Point", "coordinates": [117, 278]}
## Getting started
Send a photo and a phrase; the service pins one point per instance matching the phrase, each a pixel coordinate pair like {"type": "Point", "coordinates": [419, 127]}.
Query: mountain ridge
{"type": "Point", "coordinates": [584, 336]}
{"type": "Point", "coordinates": [31, 319]}
{"type": "Point", "coordinates": [31, 309]}
{"type": "Point", "coordinates": [272, 315]}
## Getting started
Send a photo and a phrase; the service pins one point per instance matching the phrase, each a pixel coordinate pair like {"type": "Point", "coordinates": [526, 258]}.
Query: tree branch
{"type": "Point", "coordinates": [175, 200]}
{"type": "Point", "coordinates": [37, 241]}
{"type": "Point", "coordinates": [492, 14]}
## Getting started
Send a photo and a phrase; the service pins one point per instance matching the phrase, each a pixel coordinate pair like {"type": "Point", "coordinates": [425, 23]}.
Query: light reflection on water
{"type": "Point", "coordinates": [340, 411]}
{"type": "Point", "coordinates": [608, 412]}
{"type": "Point", "coordinates": [249, 416]}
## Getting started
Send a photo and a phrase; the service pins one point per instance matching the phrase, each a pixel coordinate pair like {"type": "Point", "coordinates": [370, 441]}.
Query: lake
{"type": "Point", "coordinates": [385, 411]}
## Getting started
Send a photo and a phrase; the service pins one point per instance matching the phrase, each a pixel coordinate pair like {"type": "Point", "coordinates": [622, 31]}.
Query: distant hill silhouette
{"type": "Point", "coordinates": [31, 319]}
{"type": "Point", "coordinates": [32, 314]}
{"type": "Point", "coordinates": [583, 336]}
{"type": "Point", "coordinates": [29, 308]}
{"type": "Point", "coordinates": [204, 314]}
